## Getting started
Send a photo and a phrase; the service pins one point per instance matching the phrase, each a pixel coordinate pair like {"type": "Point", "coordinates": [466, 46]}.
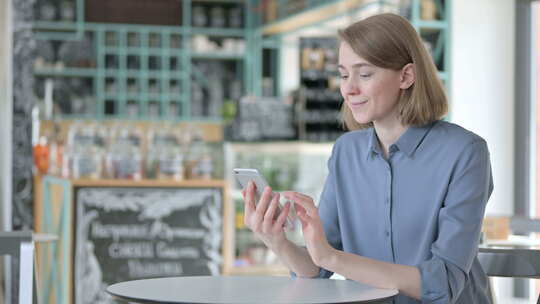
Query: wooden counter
{"type": "Point", "coordinates": [114, 230]}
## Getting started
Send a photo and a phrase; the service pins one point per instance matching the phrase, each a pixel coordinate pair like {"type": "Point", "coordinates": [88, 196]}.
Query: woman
{"type": "Point", "coordinates": [403, 203]}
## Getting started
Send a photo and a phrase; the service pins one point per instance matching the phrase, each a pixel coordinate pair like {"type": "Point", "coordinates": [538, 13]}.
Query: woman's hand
{"type": "Point", "coordinates": [317, 245]}
{"type": "Point", "coordinates": [264, 218]}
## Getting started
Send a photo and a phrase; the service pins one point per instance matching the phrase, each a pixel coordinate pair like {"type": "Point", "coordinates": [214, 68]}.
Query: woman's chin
{"type": "Point", "coordinates": [361, 119]}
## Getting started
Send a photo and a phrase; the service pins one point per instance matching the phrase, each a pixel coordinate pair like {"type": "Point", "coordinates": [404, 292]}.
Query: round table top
{"type": "Point", "coordinates": [247, 289]}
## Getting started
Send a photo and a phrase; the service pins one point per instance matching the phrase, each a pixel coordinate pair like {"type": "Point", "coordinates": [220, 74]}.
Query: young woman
{"type": "Point", "coordinates": [403, 203]}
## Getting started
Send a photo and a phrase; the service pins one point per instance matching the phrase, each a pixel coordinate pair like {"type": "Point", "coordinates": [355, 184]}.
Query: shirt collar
{"type": "Point", "coordinates": [408, 142]}
{"type": "Point", "coordinates": [373, 145]}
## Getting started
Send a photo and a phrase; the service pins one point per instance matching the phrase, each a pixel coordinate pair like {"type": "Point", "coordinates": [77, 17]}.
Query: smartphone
{"type": "Point", "coordinates": [243, 176]}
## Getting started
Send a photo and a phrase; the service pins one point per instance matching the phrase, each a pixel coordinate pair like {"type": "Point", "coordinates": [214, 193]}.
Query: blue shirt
{"type": "Point", "coordinates": [423, 206]}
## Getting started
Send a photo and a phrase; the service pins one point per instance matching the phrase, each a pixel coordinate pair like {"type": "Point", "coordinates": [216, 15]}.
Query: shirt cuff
{"type": "Point", "coordinates": [323, 274]}
{"type": "Point", "coordinates": [434, 279]}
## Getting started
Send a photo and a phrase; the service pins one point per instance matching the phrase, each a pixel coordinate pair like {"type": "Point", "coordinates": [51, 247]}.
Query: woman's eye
{"type": "Point", "coordinates": [344, 76]}
{"type": "Point", "coordinates": [365, 75]}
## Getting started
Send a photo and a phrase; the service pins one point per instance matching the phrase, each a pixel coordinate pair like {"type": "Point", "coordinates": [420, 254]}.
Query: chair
{"type": "Point", "coordinates": [510, 262]}
{"type": "Point", "coordinates": [20, 244]}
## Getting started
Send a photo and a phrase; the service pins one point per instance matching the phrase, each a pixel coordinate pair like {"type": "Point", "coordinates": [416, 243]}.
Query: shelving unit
{"type": "Point", "coordinates": [146, 71]}
{"type": "Point", "coordinates": [317, 101]}
{"type": "Point", "coordinates": [432, 20]}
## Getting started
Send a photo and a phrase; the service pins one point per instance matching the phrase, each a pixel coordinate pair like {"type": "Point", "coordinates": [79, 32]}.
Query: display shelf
{"type": "Point", "coordinates": [218, 32]}
{"type": "Point", "coordinates": [55, 25]}
{"type": "Point", "coordinates": [150, 57]}
{"type": "Point", "coordinates": [318, 100]}
{"type": "Point", "coordinates": [217, 56]}
{"type": "Point", "coordinates": [65, 72]}
{"type": "Point", "coordinates": [431, 25]}
{"type": "Point", "coordinates": [306, 13]}
{"type": "Point", "coordinates": [220, 1]}
{"type": "Point", "coordinates": [432, 21]}
{"type": "Point", "coordinates": [443, 76]}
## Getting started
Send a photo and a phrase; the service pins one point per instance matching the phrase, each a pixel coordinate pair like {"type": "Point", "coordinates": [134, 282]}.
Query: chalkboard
{"type": "Point", "coordinates": [127, 233]}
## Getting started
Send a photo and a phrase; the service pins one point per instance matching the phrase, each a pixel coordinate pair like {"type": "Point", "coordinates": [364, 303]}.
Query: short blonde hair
{"type": "Point", "coordinates": [389, 41]}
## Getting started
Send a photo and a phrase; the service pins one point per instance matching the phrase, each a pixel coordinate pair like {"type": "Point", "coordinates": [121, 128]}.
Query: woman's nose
{"type": "Point", "coordinates": [349, 87]}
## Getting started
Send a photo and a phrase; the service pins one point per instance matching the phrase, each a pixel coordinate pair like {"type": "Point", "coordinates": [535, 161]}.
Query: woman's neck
{"type": "Point", "coordinates": [388, 133]}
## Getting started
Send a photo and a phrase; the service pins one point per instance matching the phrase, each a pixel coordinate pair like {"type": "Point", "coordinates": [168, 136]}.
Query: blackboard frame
{"type": "Point", "coordinates": [225, 210]}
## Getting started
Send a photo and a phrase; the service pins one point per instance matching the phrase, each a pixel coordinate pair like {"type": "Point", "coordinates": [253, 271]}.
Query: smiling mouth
{"type": "Point", "coordinates": [358, 103]}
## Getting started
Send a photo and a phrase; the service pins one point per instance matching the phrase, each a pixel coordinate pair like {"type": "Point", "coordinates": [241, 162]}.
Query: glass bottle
{"type": "Point", "coordinates": [199, 164]}
{"type": "Point", "coordinates": [84, 155]}
{"type": "Point", "coordinates": [217, 16]}
{"type": "Point", "coordinates": [124, 159]}
{"type": "Point", "coordinates": [41, 155]}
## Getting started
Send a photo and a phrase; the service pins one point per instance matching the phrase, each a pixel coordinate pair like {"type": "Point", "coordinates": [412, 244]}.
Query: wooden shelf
{"type": "Point", "coordinates": [312, 16]}
{"type": "Point", "coordinates": [196, 183]}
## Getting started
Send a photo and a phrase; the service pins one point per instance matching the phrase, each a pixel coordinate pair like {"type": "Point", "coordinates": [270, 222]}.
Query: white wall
{"type": "Point", "coordinates": [482, 79]}
{"type": "Point", "coordinates": [5, 113]}
{"type": "Point", "coordinates": [5, 139]}
{"type": "Point", "coordinates": [482, 94]}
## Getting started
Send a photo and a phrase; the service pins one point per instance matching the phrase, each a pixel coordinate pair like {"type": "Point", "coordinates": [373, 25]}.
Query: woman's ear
{"type": "Point", "coordinates": [407, 77]}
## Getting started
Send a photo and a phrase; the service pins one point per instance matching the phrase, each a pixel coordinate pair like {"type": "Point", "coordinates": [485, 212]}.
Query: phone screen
{"type": "Point", "coordinates": [243, 176]}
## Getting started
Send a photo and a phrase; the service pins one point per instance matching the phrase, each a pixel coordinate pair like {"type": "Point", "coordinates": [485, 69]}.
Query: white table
{"type": "Point", "coordinates": [248, 289]}
{"type": "Point", "coordinates": [510, 262]}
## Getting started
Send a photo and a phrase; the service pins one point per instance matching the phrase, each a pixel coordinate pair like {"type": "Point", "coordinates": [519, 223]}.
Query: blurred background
{"type": "Point", "coordinates": [121, 121]}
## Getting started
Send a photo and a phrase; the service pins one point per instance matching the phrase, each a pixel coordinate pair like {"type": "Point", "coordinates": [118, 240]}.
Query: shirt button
{"type": "Point", "coordinates": [387, 233]}
{"type": "Point", "coordinates": [388, 201]}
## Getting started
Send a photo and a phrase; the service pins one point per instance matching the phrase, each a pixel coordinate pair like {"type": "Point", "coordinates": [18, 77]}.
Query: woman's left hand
{"type": "Point", "coordinates": [317, 245]}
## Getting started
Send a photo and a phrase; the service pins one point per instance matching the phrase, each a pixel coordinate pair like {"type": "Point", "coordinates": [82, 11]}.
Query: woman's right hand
{"type": "Point", "coordinates": [265, 218]}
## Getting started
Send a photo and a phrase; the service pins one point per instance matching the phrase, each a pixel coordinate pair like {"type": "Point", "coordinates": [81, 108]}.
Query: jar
{"type": "Point", "coordinates": [170, 165]}
{"type": "Point", "coordinates": [199, 17]}
{"type": "Point", "coordinates": [217, 16]}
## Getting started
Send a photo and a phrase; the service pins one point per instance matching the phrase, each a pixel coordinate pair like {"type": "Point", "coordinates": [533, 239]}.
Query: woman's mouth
{"type": "Point", "coordinates": [357, 103]}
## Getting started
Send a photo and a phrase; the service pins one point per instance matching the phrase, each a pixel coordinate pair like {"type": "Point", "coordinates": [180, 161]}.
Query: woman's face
{"type": "Point", "coordinates": [370, 92]}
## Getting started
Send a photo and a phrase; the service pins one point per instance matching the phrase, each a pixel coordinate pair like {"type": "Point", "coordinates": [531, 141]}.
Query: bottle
{"type": "Point", "coordinates": [199, 17]}
{"type": "Point", "coordinates": [124, 159]}
{"type": "Point", "coordinates": [170, 164]}
{"type": "Point", "coordinates": [166, 153]}
{"type": "Point", "coordinates": [56, 152]}
{"type": "Point", "coordinates": [199, 164]}
{"type": "Point", "coordinates": [41, 155]}
{"type": "Point", "coordinates": [217, 16]}
{"type": "Point", "coordinates": [84, 155]}
{"type": "Point", "coordinates": [235, 17]}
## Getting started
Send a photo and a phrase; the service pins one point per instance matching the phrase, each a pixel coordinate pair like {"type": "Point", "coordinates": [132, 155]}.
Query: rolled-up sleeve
{"type": "Point", "coordinates": [445, 274]}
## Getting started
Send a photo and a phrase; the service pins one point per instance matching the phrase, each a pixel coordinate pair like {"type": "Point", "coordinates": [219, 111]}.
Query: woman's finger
{"type": "Point", "coordinates": [271, 211]}
{"type": "Point", "coordinates": [280, 222]}
{"type": "Point", "coordinates": [305, 201]}
{"type": "Point", "coordinates": [249, 199]}
{"type": "Point", "coordinates": [299, 208]}
{"type": "Point", "coordinates": [303, 219]}
{"type": "Point", "coordinates": [303, 196]}
{"type": "Point", "coordinates": [268, 220]}
{"type": "Point", "coordinates": [264, 201]}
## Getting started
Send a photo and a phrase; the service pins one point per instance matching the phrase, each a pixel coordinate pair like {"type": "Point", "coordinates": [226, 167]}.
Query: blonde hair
{"type": "Point", "coordinates": [390, 42]}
